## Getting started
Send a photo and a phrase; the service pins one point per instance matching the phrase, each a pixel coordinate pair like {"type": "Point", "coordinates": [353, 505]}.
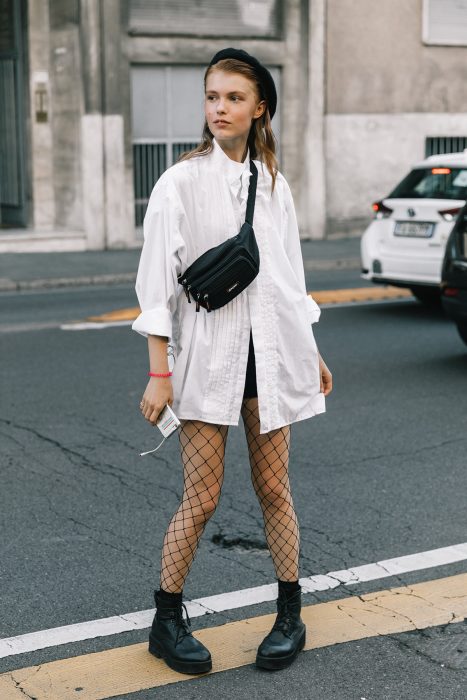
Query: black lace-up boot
{"type": "Point", "coordinates": [171, 639]}
{"type": "Point", "coordinates": [287, 637]}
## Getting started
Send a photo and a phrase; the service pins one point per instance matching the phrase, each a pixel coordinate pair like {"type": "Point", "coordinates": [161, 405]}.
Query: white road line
{"type": "Point", "coordinates": [93, 325]}
{"type": "Point", "coordinates": [229, 601]}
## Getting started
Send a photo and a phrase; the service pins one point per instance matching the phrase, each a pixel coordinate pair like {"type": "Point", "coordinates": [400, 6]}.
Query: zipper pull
{"type": "Point", "coordinates": [197, 301]}
{"type": "Point", "coordinates": [206, 299]}
{"type": "Point", "coordinates": [188, 293]}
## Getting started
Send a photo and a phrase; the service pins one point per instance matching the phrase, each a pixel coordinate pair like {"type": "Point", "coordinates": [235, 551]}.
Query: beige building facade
{"type": "Point", "coordinates": [100, 96]}
{"type": "Point", "coordinates": [396, 90]}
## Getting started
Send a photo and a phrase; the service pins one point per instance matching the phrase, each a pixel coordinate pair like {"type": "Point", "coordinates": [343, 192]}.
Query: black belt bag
{"type": "Point", "coordinates": [222, 272]}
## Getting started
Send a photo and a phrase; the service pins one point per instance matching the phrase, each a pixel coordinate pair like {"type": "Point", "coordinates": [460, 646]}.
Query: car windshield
{"type": "Point", "coordinates": [433, 183]}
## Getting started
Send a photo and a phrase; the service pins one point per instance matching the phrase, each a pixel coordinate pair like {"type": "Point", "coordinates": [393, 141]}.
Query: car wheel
{"type": "Point", "coordinates": [462, 328]}
{"type": "Point", "coordinates": [430, 296]}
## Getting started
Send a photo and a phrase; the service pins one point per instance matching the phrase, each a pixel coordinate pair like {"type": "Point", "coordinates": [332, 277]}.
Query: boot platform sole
{"type": "Point", "coordinates": [276, 663]}
{"type": "Point", "coordinates": [189, 667]}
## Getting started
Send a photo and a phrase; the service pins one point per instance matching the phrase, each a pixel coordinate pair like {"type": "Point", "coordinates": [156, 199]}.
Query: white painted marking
{"type": "Point", "coordinates": [230, 601]}
{"type": "Point", "coordinates": [93, 325]}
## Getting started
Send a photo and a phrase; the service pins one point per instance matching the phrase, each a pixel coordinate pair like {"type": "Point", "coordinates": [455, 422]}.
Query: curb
{"type": "Point", "coordinates": [9, 285]}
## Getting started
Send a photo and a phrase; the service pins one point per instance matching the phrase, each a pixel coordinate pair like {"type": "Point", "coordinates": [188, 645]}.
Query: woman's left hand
{"type": "Point", "coordinates": [325, 377]}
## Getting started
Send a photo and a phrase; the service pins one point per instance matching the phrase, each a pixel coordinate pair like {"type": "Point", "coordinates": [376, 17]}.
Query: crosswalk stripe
{"type": "Point", "coordinates": [114, 672]}
{"type": "Point", "coordinates": [231, 600]}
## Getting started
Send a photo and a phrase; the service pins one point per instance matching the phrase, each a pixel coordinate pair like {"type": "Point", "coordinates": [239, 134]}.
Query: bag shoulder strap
{"type": "Point", "coordinates": [250, 205]}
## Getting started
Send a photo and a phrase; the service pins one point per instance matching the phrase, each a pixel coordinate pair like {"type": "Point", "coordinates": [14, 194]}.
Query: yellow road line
{"type": "Point", "coordinates": [117, 315]}
{"type": "Point", "coordinates": [328, 296]}
{"type": "Point", "coordinates": [339, 296]}
{"type": "Point", "coordinates": [129, 669]}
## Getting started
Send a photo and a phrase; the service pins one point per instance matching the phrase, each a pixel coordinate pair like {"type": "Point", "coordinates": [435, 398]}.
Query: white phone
{"type": "Point", "coordinates": [167, 423]}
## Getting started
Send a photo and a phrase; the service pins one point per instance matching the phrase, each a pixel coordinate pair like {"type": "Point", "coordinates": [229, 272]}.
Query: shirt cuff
{"type": "Point", "coordinates": [314, 312]}
{"type": "Point", "coordinates": [157, 321]}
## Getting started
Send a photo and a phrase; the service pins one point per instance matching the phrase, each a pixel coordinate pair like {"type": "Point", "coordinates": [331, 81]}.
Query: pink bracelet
{"type": "Point", "coordinates": [159, 374]}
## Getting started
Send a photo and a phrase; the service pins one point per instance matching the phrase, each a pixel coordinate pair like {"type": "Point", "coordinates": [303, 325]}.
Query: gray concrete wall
{"type": "Point", "coordinates": [82, 157]}
{"type": "Point", "coordinates": [385, 93]}
{"type": "Point", "coordinates": [41, 156]}
{"type": "Point", "coordinates": [105, 159]}
{"type": "Point", "coordinates": [67, 105]}
{"type": "Point", "coordinates": [377, 63]}
{"type": "Point", "coordinates": [80, 160]}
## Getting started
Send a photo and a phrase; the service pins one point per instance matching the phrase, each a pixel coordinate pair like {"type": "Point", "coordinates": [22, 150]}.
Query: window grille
{"type": "Point", "coordinates": [149, 162]}
{"type": "Point", "coordinates": [217, 18]}
{"type": "Point", "coordinates": [167, 120]}
{"type": "Point", "coordinates": [435, 145]}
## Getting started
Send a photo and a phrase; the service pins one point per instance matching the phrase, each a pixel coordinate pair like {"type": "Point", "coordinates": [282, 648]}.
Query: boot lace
{"type": "Point", "coordinates": [282, 624]}
{"type": "Point", "coordinates": [183, 626]}
{"type": "Point", "coordinates": [283, 621]}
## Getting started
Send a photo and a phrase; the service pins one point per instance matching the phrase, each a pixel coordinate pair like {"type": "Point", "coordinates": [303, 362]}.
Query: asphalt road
{"type": "Point", "coordinates": [380, 475]}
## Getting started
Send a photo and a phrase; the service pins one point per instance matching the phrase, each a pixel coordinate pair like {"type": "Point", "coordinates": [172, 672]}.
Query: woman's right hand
{"type": "Point", "coordinates": [158, 394]}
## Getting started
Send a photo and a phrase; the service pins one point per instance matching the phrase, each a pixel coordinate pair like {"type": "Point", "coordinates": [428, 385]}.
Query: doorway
{"type": "Point", "coordinates": [13, 204]}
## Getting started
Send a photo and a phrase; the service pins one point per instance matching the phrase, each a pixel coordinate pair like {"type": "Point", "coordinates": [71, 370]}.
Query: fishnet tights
{"type": "Point", "coordinates": [269, 461]}
{"type": "Point", "coordinates": [203, 452]}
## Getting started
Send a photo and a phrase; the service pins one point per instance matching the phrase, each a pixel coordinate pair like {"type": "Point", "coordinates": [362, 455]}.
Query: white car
{"type": "Point", "coordinates": [404, 244]}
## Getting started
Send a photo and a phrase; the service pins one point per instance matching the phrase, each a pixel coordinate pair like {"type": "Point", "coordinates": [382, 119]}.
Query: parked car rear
{"type": "Point", "coordinates": [404, 244]}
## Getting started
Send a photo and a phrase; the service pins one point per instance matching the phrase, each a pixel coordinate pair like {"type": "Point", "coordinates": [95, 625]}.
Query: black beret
{"type": "Point", "coordinates": [264, 76]}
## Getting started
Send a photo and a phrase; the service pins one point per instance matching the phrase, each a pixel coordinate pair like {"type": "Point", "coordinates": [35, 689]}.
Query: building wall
{"type": "Point", "coordinates": [289, 53]}
{"type": "Point", "coordinates": [377, 62]}
{"type": "Point", "coordinates": [66, 98]}
{"type": "Point", "coordinates": [360, 92]}
{"type": "Point", "coordinates": [386, 92]}
{"type": "Point", "coordinates": [81, 157]}
{"type": "Point", "coordinates": [80, 168]}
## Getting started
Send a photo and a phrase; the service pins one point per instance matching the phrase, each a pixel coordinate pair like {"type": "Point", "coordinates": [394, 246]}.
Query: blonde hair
{"type": "Point", "coordinates": [261, 140]}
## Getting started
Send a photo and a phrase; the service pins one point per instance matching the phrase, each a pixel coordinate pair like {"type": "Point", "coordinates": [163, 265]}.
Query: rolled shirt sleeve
{"type": "Point", "coordinates": [162, 259]}
{"type": "Point", "coordinates": [294, 253]}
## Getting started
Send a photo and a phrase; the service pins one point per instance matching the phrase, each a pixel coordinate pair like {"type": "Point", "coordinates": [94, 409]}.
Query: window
{"type": "Point", "coordinates": [434, 145]}
{"type": "Point", "coordinates": [445, 22]}
{"type": "Point", "coordinates": [246, 18]}
{"type": "Point", "coordinates": [167, 104]}
{"type": "Point", "coordinates": [433, 183]}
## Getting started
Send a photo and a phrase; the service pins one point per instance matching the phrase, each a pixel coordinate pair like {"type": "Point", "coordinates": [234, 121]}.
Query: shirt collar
{"type": "Point", "coordinates": [232, 169]}
{"type": "Point", "coordinates": [237, 174]}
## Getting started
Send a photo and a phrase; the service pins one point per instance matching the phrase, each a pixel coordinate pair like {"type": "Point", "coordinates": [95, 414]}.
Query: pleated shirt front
{"type": "Point", "coordinates": [195, 205]}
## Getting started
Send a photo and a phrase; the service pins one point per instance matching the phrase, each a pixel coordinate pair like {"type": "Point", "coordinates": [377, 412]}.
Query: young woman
{"type": "Point", "coordinates": [255, 356]}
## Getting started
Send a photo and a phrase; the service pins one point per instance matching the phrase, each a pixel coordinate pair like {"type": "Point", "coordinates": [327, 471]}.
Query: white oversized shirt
{"type": "Point", "coordinates": [195, 205]}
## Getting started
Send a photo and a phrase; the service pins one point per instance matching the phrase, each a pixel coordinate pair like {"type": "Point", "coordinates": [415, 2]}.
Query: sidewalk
{"type": "Point", "coordinates": [20, 271]}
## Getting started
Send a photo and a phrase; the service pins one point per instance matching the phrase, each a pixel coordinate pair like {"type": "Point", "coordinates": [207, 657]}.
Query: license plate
{"type": "Point", "coordinates": [416, 229]}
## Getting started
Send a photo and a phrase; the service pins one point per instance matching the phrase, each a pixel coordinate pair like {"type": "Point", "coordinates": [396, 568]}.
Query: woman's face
{"type": "Point", "coordinates": [230, 104]}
